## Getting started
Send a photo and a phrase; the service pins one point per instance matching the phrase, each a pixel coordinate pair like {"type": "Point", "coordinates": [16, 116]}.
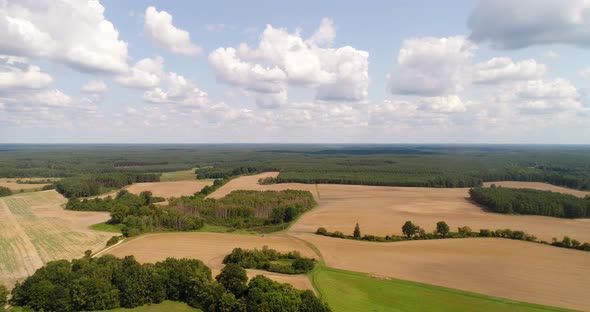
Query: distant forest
{"type": "Point", "coordinates": [390, 165]}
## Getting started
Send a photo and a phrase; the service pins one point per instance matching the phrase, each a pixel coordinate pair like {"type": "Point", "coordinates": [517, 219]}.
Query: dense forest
{"type": "Point", "coordinates": [259, 211]}
{"type": "Point", "coordinates": [394, 165]}
{"type": "Point", "coordinates": [270, 260]}
{"type": "Point", "coordinates": [531, 202]}
{"type": "Point", "coordinates": [90, 284]}
{"type": "Point", "coordinates": [138, 213]}
{"type": "Point", "coordinates": [95, 184]}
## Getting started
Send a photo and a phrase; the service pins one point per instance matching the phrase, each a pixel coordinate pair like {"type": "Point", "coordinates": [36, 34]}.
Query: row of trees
{"type": "Point", "coordinates": [107, 282]}
{"type": "Point", "coordinates": [412, 231]}
{"type": "Point", "coordinates": [270, 260]}
{"type": "Point", "coordinates": [95, 184]}
{"type": "Point", "coordinates": [531, 202]}
{"type": "Point", "coordinates": [138, 213]}
{"type": "Point", "coordinates": [229, 172]}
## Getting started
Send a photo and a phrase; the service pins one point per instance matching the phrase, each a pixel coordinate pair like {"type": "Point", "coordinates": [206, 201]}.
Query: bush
{"type": "Point", "coordinates": [4, 191]}
{"type": "Point", "coordinates": [485, 233]}
{"type": "Point", "coordinates": [112, 241]}
{"type": "Point", "coordinates": [321, 231]}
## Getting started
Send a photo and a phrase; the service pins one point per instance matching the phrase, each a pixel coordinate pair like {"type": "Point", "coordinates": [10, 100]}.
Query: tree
{"type": "Point", "coordinates": [409, 229]}
{"type": "Point", "coordinates": [234, 278]}
{"type": "Point", "coordinates": [357, 231]}
{"type": "Point", "coordinates": [442, 228]}
{"type": "Point", "coordinates": [3, 297]}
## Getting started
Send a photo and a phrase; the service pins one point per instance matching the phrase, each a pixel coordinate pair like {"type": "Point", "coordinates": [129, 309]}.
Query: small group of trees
{"type": "Point", "coordinates": [412, 231]}
{"type": "Point", "coordinates": [270, 260]}
{"type": "Point", "coordinates": [3, 297]}
{"type": "Point", "coordinates": [531, 202]}
{"type": "Point", "coordinates": [105, 283]}
{"type": "Point", "coordinates": [4, 191]}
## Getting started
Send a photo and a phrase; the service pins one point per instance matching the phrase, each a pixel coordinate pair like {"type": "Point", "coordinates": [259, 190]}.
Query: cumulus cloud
{"type": "Point", "coordinates": [545, 96]}
{"type": "Point", "coordinates": [75, 33]}
{"type": "Point", "coordinates": [177, 90]}
{"type": "Point", "coordinates": [95, 87]}
{"type": "Point", "coordinates": [508, 24]}
{"type": "Point", "coordinates": [16, 73]}
{"type": "Point", "coordinates": [158, 26]}
{"type": "Point", "coordinates": [145, 74]}
{"type": "Point", "coordinates": [585, 73]}
{"type": "Point", "coordinates": [501, 69]}
{"type": "Point", "coordinates": [431, 66]}
{"type": "Point", "coordinates": [284, 59]}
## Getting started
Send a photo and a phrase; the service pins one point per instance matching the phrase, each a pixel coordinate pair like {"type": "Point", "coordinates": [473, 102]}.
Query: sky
{"type": "Point", "coordinates": [109, 71]}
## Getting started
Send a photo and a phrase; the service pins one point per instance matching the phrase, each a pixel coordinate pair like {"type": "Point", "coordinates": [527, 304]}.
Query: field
{"type": "Point", "coordinates": [184, 175]}
{"type": "Point", "coordinates": [250, 183]}
{"type": "Point", "coordinates": [211, 248]}
{"type": "Point", "coordinates": [538, 186]}
{"type": "Point", "coordinates": [169, 189]}
{"type": "Point", "coordinates": [16, 187]}
{"type": "Point", "coordinates": [350, 291]}
{"type": "Point", "coordinates": [34, 229]}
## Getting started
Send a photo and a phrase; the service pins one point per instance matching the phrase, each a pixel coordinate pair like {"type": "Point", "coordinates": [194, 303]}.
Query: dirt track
{"type": "Point", "coordinates": [493, 266]}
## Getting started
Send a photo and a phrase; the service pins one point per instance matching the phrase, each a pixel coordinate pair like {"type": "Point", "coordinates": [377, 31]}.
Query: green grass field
{"type": "Point", "coordinates": [184, 175]}
{"type": "Point", "coordinates": [105, 227]}
{"type": "Point", "coordinates": [351, 291]}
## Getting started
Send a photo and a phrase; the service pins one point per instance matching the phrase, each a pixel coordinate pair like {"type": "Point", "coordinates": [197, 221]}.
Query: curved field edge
{"type": "Point", "coordinates": [353, 291]}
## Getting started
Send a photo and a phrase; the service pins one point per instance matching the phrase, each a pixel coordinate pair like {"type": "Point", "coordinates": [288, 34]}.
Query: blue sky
{"type": "Point", "coordinates": [295, 72]}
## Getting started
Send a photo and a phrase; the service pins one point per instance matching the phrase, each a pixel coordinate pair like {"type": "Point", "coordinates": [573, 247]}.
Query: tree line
{"type": "Point", "coordinates": [412, 231]}
{"type": "Point", "coordinates": [270, 260]}
{"type": "Point", "coordinates": [531, 202]}
{"type": "Point", "coordinates": [95, 184]}
{"type": "Point", "coordinates": [108, 282]}
{"type": "Point", "coordinates": [228, 172]}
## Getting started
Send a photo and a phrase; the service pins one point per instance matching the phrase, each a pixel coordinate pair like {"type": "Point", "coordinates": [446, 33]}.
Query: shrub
{"type": "Point", "coordinates": [112, 241]}
{"type": "Point", "coordinates": [321, 231]}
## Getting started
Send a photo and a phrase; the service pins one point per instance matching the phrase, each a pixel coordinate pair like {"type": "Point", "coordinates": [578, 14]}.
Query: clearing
{"type": "Point", "coordinates": [538, 186]}
{"type": "Point", "coordinates": [505, 268]}
{"type": "Point", "coordinates": [211, 248]}
{"type": "Point", "coordinates": [250, 183]}
{"type": "Point", "coordinates": [16, 187]}
{"type": "Point", "coordinates": [35, 229]}
{"type": "Point", "coordinates": [185, 175]}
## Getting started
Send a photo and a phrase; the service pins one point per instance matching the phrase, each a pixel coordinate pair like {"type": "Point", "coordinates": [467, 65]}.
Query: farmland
{"type": "Point", "coordinates": [34, 229]}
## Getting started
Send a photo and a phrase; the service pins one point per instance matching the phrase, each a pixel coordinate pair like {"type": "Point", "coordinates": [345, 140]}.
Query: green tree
{"type": "Point", "coordinates": [442, 228]}
{"type": "Point", "coordinates": [234, 278]}
{"type": "Point", "coordinates": [3, 297]}
{"type": "Point", "coordinates": [357, 231]}
{"type": "Point", "coordinates": [410, 229]}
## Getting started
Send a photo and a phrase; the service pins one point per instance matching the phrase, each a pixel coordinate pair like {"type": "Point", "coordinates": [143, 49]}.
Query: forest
{"type": "Point", "coordinates": [393, 165]}
{"type": "Point", "coordinates": [531, 202]}
{"type": "Point", "coordinates": [95, 184]}
{"type": "Point", "coordinates": [258, 211]}
{"type": "Point", "coordinates": [90, 284]}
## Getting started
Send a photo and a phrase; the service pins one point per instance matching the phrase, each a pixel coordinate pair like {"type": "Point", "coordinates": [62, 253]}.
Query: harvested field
{"type": "Point", "coordinates": [35, 229]}
{"type": "Point", "coordinates": [538, 186]}
{"type": "Point", "coordinates": [16, 187]}
{"type": "Point", "coordinates": [250, 183]}
{"type": "Point", "coordinates": [505, 268]}
{"type": "Point", "coordinates": [383, 210]}
{"type": "Point", "coordinates": [169, 189]}
{"type": "Point", "coordinates": [211, 248]}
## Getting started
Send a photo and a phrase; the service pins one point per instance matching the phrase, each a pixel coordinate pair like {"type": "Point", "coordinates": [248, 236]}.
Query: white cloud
{"type": "Point", "coordinates": [158, 26]}
{"type": "Point", "coordinates": [178, 91]}
{"type": "Point", "coordinates": [545, 96]}
{"type": "Point", "coordinates": [326, 34]}
{"type": "Point", "coordinates": [95, 87]}
{"type": "Point", "coordinates": [508, 24]}
{"type": "Point", "coordinates": [284, 59]}
{"type": "Point", "coordinates": [145, 74]}
{"type": "Point", "coordinates": [585, 73]}
{"type": "Point", "coordinates": [75, 33]}
{"type": "Point", "coordinates": [15, 73]}
{"type": "Point", "coordinates": [501, 69]}
{"type": "Point", "coordinates": [431, 66]}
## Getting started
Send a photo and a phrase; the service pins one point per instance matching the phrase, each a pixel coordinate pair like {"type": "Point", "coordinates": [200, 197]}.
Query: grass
{"type": "Point", "coordinates": [185, 175]}
{"type": "Point", "coordinates": [351, 291]}
{"type": "Point", "coordinates": [106, 227]}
